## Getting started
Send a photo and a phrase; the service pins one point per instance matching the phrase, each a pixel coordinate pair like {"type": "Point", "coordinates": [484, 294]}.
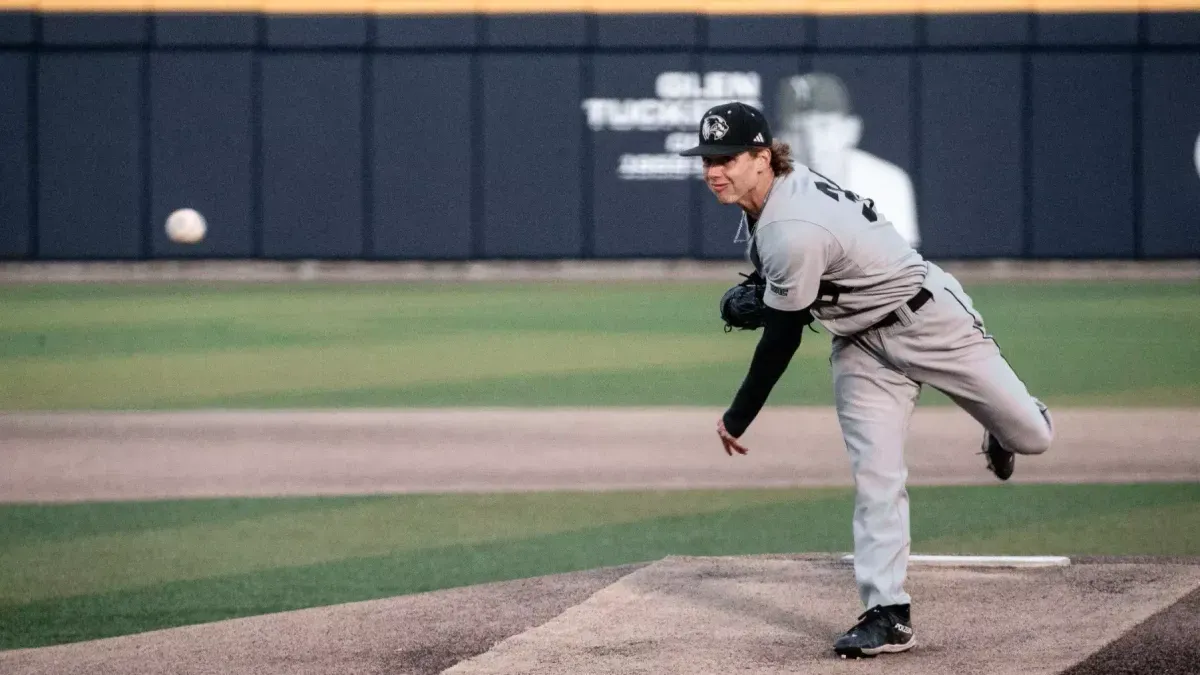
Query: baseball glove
{"type": "Point", "coordinates": [742, 306]}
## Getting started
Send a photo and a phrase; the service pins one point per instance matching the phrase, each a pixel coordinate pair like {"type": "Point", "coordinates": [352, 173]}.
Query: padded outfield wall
{"type": "Point", "coordinates": [498, 129]}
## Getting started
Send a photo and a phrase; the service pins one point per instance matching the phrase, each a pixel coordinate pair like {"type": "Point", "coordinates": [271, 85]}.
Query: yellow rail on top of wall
{"type": "Point", "coordinates": [718, 7]}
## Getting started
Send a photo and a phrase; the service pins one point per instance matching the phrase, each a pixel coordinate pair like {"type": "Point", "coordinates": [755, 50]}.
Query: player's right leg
{"type": "Point", "coordinates": [985, 385]}
{"type": "Point", "coordinates": [948, 347]}
{"type": "Point", "coordinates": [874, 404]}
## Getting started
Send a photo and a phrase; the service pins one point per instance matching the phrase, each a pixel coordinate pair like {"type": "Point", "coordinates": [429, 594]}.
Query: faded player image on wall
{"type": "Point", "coordinates": [815, 117]}
{"type": "Point", "coordinates": [1198, 155]}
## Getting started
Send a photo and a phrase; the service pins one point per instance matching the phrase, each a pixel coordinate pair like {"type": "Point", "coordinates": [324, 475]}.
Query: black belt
{"type": "Point", "coordinates": [914, 303]}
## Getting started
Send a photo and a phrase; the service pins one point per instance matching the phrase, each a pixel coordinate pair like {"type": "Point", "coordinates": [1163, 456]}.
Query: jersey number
{"type": "Point", "coordinates": [868, 209]}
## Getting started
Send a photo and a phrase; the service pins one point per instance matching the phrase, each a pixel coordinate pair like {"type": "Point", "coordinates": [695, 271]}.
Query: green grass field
{"type": "Point", "coordinates": [267, 346]}
{"type": "Point", "coordinates": [81, 571]}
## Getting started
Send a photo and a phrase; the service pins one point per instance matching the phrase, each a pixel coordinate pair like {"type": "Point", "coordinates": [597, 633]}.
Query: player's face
{"type": "Point", "coordinates": [731, 178]}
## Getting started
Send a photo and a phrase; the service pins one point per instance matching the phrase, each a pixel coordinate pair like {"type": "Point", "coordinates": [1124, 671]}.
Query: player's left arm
{"type": "Point", "coordinates": [782, 333]}
{"type": "Point", "coordinates": [793, 260]}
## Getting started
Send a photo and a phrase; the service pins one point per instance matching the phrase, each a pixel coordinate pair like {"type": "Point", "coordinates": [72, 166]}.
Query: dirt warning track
{"type": "Point", "coordinates": [113, 456]}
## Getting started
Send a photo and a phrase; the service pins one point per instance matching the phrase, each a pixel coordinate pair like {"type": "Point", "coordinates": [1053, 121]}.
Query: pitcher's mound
{"type": "Point", "coordinates": [776, 615]}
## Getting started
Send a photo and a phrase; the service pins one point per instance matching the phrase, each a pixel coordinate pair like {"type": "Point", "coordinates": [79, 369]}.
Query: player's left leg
{"type": "Point", "coordinates": [874, 404]}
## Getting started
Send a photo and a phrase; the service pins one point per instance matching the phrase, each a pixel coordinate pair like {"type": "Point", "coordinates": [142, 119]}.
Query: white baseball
{"type": "Point", "coordinates": [186, 226]}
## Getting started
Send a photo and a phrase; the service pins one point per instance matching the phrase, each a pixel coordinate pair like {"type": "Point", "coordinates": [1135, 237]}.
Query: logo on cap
{"type": "Point", "coordinates": [714, 127]}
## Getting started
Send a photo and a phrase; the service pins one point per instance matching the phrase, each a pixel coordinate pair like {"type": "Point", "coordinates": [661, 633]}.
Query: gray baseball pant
{"type": "Point", "coordinates": [877, 377]}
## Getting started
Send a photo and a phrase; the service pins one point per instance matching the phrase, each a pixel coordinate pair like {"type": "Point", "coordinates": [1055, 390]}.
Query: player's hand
{"type": "Point", "coordinates": [731, 444]}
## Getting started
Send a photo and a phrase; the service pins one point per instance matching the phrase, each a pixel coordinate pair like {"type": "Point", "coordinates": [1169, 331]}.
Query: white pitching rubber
{"type": "Point", "coordinates": [985, 560]}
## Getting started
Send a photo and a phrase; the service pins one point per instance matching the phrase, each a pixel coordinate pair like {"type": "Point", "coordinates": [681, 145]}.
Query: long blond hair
{"type": "Point", "coordinates": [781, 158]}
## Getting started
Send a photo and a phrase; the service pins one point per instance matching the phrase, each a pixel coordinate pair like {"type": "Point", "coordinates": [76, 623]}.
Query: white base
{"type": "Point", "coordinates": [985, 560]}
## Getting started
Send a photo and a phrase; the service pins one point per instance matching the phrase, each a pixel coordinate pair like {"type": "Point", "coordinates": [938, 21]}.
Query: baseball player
{"type": "Point", "coordinates": [898, 322]}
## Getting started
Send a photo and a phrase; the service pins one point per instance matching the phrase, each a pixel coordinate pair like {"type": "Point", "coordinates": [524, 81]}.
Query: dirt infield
{"type": "Point", "coordinates": [72, 457]}
{"type": "Point", "coordinates": [769, 614]}
{"type": "Point", "coordinates": [107, 456]}
{"type": "Point", "coordinates": [423, 633]}
{"type": "Point", "coordinates": [997, 621]}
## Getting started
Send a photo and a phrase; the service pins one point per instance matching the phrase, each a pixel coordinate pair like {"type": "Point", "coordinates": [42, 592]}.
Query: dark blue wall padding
{"type": "Point", "coordinates": [898, 30]}
{"type": "Point", "coordinates": [758, 32]}
{"type": "Point", "coordinates": [647, 30]}
{"type": "Point", "coordinates": [15, 203]}
{"type": "Point", "coordinates": [205, 30]}
{"type": "Point", "coordinates": [421, 156]}
{"type": "Point", "coordinates": [316, 30]}
{"type": "Point", "coordinates": [881, 89]}
{"type": "Point", "coordinates": [1064, 135]}
{"type": "Point", "coordinates": [532, 124]}
{"type": "Point", "coordinates": [536, 30]}
{"type": "Point", "coordinates": [1086, 29]}
{"type": "Point", "coordinates": [90, 187]}
{"type": "Point", "coordinates": [1173, 28]}
{"type": "Point", "coordinates": [1082, 155]}
{"type": "Point", "coordinates": [16, 28]}
{"type": "Point", "coordinates": [1170, 178]}
{"type": "Point", "coordinates": [972, 182]}
{"type": "Point", "coordinates": [635, 217]}
{"type": "Point", "coordinates": [977, 30]}
{"type": "Point", "coordinates": [427, 31]}
{"type": "Point", "coordinates": [312, 193]}
{"type": "Point", "coordinates": [79, 29]}
{"type": "Point", "coordinates": [201, 149]}
{"type": "Point", "coordinates": [718, 223]}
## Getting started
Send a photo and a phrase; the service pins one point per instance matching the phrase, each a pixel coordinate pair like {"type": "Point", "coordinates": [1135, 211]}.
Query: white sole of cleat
{"type": "Point", "coordinates": [891, 649]}
{"type": "Point", "coordinates": [886, 649]}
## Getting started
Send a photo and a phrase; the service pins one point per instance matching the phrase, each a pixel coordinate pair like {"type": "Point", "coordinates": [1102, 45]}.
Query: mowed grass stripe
{"type": "Point", "coordinates": [962, 511]}
{"type": "Point", "coordinates": [153, 381]}
{"type": "Point", "coordinates": [1044, 519]}
{"type": "Point", "coordinates": [1142, 397]}
{"type": "Point", "coordinates": [597, 305]}
{"type": "Point", "coordinates": [27, 524]}
{"type": "Point", "coordinates": [710, 384]}
{"type": "Point", "coordinates": [343, 529]}
{"type": "Point", "coordinates": [184, 346]}
{"type": "Point", "coordinates": [158, 338]}
{"type": "Point", "coordinates": [1168, 530]}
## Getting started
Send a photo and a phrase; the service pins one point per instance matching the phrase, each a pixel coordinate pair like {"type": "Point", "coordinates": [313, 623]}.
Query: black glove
{"type": "Point", "coordinates": [742, 306]}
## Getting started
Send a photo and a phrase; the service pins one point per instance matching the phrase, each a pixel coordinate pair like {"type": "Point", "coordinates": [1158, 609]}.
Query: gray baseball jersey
{"type": "Point", "coordinates": [819, 245]}
{"type": "Point", "coordinates": [815, 242]}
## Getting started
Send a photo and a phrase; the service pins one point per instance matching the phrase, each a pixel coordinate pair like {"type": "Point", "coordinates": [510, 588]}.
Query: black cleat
{"type": "Point", "coordinates": [880, 630]}
{"type": "Point", "coordinates": [999, 461]}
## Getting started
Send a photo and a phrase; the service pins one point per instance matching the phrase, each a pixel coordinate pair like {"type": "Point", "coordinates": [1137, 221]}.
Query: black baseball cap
{"type": "Point", "coordinates": [731, 128]}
